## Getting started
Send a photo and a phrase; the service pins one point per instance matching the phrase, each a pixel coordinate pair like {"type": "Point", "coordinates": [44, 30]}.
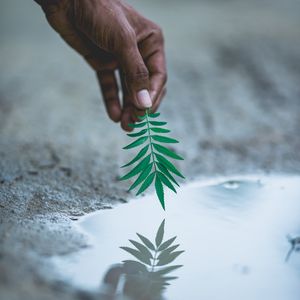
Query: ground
{"type": "Point", "coordinates": [233, 102]}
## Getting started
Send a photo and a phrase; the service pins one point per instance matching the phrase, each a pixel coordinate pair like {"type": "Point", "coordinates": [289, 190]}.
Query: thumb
{"type": "Point", "coordinates": [136, 77]}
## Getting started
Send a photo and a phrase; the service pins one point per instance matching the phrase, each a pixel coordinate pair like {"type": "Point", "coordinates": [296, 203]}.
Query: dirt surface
{"type": "Point", "coordinates": [233, 101]}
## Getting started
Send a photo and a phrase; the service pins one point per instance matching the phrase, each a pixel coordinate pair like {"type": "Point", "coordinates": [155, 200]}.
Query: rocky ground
{"type": "Point", "coordinates": [233, 101]}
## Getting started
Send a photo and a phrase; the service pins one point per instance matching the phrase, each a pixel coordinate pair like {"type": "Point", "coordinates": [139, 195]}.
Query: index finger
{"type": "Point", "coordinates": [156, 65]}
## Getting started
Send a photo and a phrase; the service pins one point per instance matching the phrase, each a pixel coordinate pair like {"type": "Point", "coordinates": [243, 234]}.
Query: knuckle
{"type": "Point", "coordinates": [139, 76]}
{"type": "Point", "coordinates": [158, 34]}
{"type": "Point", "coordinates": [128, 37]}
{"type": "Point", "coordinates": [124, 41]}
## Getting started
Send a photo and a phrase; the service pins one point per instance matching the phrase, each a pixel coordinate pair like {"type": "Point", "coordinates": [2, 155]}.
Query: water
{"type": "Point", "coordinates": [234, 234]}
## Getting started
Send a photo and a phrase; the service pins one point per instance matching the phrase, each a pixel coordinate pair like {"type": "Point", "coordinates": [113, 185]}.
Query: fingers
{"type": "Point", "coordinates": [128, 108]}
{"type": "Point", "coordinates": [132, 44]}
{"type": "Point", "coordinates": [109, 88]}
{"type": "Point", "coordinates": [158, 76]}
{"type": "Point", "coordinates": [136, 76]}
{"type": "Point", "coordinates": [94, 20]}
{"type": "Point", "coordinates": [159, 99]}
{"type": "Point", "coordinates": [156, 64]}
{"type": "Point", "coordinates": [152, 50]}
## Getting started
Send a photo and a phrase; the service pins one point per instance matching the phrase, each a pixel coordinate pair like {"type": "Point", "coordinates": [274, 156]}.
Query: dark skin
{"type": "Point", "coordinates": [113, 37]}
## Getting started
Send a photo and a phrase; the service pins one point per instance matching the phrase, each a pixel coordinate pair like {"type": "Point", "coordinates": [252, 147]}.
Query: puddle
{"type": "Point", "coordinates": [236, 236]}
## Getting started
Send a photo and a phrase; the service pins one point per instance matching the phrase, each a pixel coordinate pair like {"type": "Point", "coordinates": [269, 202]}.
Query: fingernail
{"type": "Point", "coordinates": [144, 98]}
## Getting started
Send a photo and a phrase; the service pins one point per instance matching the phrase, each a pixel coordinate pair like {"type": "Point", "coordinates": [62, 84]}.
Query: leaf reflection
{"type": "Point", "coordinates": [147, 275]}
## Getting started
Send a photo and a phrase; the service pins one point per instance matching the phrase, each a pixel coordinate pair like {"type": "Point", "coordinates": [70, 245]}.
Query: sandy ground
{"type": "Point", "coordinates": [233, 101]}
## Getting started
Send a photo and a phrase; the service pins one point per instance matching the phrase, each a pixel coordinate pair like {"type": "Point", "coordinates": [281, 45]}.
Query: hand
{"type": "Point", "coordinates": [112, 36]}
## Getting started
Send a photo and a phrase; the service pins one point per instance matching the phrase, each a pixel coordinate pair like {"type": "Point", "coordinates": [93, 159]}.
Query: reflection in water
{"type": "Point", "coordinates": [146, 277]}
{"type": "Point", "coordinates": [234, 232]}
{"type": "Point", "coordinates": [295, 246]}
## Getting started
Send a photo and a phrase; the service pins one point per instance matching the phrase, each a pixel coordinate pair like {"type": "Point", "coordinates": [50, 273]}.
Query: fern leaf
{"type": "Point", "coordinates": [146, 241]}
{"type": "Point", "coordinates": [138, 168]}
{"type": "Point", "coordinates": [154, 115]}
{"type": "Point", "coordinates": [166, 151]}
{"type": "Point", "coordinates": [168, 165]}
{"type": "Point", "coordinates": [160, 192]}
{"type": "Point", "coordinates": [163, 139]}
{"type": "Point", "coordinates": [169, 258]}
{"type": "Point", "coordinates": [167, 251]}
{"type": "Point", "coordinates": [166, 244]}
{"type": "Point", "coordinates": [159, 130]}
{"type": "Point", "coordinates": [137, 125]}
{"type": "Point", "coordinates": [160, 234]}
{"type": "Point", "coordinates": [142, 152]}
{"type": "Point", "coordinates": [168, 269]}
{"type": "Point", "coordinates": [137, 254]}
{"type": "Point", "coordinates": [166, 181]}
{"type": "Point", "coordinates": [141, 118]}
{"type": "Point", "coordinates": [152, 166]}
{"type": "Point", "coordinates": [141, 248]}
{"type": "Point", "coordinates": [157, 123]}
{"type": "Point", "coordinates": [142, 176]}
{"type": "Point", "coordinates": [137, 142]}
{"type": "Point", "coordinates": [142, 132]}
{"type": "Point", "coordinates": [146, 183]}
{"type": "Point", "coordinates": [167, 173]}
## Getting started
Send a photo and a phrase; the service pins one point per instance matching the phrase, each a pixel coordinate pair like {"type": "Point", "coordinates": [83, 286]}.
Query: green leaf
{"type": "Point", "coordinates": [146, 183]}
{"type": "Point", "coordinates": [142, 176]}
{"type": "Point", "coordinates": [141, 248]}
{"type": "Point", "coordinates": [146, 241]}
{"type": "Point", "coordinates": [137, 142]}
{"type": "Point", "coordinates": [157, 123]}
{"type": "Point", "coordinates": [158, 129]}
{"type": "Point", "coordinates": [136, 134]}
{"type": "Point", "coordinates": [166, 181]}
{"type": "Point", "coordinates": [163, 139]}
{"type": "Point", "coordinates": [137, 125]}
{"type": "Point", "coordinates": [166, 244]}
{"type": "Point", "coordinates": [142, 117]}
{"type": "Point", "coordinates": [169, 259]}
{"type": "Point", "coordinates": [160, 233]}
{"type": "Point", "coordinates": [167, 173]}
{"type": "Point", "coordinates": [166, 151]}
{"type": "Point", "coordinates": [168, 269]}
{"type": "Point", "coordinates": [151, 132]}
{"type": "Point", "coordinates": [154, 115]}
{"type": "Point", "coordinates": [142, 152]}
{"type": "Point", "coordinates": [168, 165]}
{"type": "Point", "coordinates": [138, 168]}
{"type": "Point", "coordinates": [137, 254]}
{"type": "Point", "coordinates": [160, 191]}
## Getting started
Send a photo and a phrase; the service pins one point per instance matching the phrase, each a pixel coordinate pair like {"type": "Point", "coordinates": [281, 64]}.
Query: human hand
{"type": "Point", "coordinates": [112, 36]}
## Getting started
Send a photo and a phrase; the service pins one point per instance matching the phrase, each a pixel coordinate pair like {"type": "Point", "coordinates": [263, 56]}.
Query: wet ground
{"type": "Point", "coordinates": [233, 102]}
{"type": "Point", "coordinates": [234, 235]}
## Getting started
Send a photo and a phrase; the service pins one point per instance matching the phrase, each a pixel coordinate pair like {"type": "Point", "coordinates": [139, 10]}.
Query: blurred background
{"type": "Point", "coordinates": [233, 101]}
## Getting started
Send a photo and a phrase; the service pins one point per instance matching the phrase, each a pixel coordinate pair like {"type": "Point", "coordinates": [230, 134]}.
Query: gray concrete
{"type": "Point", "coordinates": [233, 102]}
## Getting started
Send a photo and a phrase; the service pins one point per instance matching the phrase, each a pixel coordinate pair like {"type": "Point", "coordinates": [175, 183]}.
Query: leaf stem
{"type": "Point", "coordinates": [150, 139]}
{"type": "Point", "coordinates": [154, 260]}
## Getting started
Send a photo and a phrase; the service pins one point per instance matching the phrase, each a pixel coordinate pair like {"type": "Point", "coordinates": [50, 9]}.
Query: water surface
{"type": "Point", "coordinates": [233, 231]}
